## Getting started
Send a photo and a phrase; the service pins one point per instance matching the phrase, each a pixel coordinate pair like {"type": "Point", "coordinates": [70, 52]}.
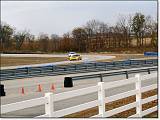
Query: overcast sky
{"type": "Point", "coordinates": [54, 17]}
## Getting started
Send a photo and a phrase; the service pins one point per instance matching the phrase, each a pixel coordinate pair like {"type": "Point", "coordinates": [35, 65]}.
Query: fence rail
{"type": "Point", "coordinates": [22, 105]}
{"type": "Point", "coordinates": [26, 72]}
{"type": "Point", "coordinates": [50, 98]}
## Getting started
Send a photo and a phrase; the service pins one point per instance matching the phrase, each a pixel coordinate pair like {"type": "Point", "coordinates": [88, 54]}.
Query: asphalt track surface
{"type": "Point", "coordinates": [13, 91]}
{"type": "Point", "coordinates": [85, 58]}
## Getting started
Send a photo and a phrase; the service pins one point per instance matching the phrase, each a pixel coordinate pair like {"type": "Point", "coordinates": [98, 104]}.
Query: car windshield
{"type": "Point", "coordinates": [72, 53]}
{"type": "Point", "coordinates": [76, 55]}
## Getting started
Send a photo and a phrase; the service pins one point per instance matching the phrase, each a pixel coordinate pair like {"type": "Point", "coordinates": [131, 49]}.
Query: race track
{"type": "Point", "coordinates": [85, 58]}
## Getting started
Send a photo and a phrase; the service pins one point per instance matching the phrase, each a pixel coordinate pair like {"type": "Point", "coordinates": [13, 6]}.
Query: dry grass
{"type": "Point", "coordinates": [125, 57]}
{"type": "Point", "coordinates": [109, 106]}
{"type": "Point", "coordinates": [13, 61]}
{"type": "Point", "coordinates": [147, 41]}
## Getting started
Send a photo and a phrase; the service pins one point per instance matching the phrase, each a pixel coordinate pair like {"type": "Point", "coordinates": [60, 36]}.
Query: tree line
{"type": "Point", "coordinates": [131, 33]}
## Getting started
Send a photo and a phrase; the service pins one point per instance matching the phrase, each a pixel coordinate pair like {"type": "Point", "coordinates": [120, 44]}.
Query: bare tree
{"type": "Point", "coordinates": [20, 37]}
{"type": "Point", "coordinates": [150, 28]}
{"type": "Point", "coordinates": [138, 27]}
{"type": "Point", "coordinates": [43, 42]}
{"type": "Point", "coordinates": [54, 42]}
{"type": "Point", "coordinates": [6, 35]}
{"type": "Point", "coordinates": [123, 29]}
{"type": "Point", "coordinates": [93, 26]}
{"type": "Point", "coordinates": [30, 41]}
{"type": "Point", "coordinates": [67, 44]}
{"type": "Point", "coordinates": [80, 37]}
{"type": "Point", "coordinates": [129, 24]}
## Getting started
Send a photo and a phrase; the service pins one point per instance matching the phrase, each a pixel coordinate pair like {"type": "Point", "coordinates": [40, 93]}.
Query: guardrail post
{"type": "Point", "coordinates": [27, 70]}
{"type": "Point", "coordinates": [95, 65]}
{"type": "Point", "coordinates": [129, 62]}
{"type": "Point", "coordinates": [75, 67]}
{"type": "Point", "coordinates": [138, 95]}
{"type": "Point", "coordinates": [49, 108]}
{"type": "Point", "coordinates": [14, 72]}
{"type": "Point", "coordinates": [114, 64]}
{"type": "Point", "coordinates": [52, 68]}
{"type": "Point", "coordinates": [149, 71]}
{"type": "Point", "coordinates": [101, 78]}
{"type": "Point", "coordinates": [126, 74]}
{"type": "Point", "coordinates": [101, 98]}
{"type": "Point", "coordinates": [105, 66]}
{"type": "Point", "coordinates": [41, 69]}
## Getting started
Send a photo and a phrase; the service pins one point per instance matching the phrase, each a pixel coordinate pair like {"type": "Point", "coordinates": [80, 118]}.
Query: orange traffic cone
{"type": "Point", "coordinates": [52, 87]}
{"type": "Point", "coordinates": [22, 90]}
{"type": "Point", "coordinates": [39, 88]}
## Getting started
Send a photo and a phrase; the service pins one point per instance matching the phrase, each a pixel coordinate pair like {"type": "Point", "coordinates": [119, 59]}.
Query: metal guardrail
{"type": "Point", "coordinates": [52, 70]}
{"type": "Point", "coordinates": [150, 53]}
{"type": "Point", "coordinates": [118, 72]}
